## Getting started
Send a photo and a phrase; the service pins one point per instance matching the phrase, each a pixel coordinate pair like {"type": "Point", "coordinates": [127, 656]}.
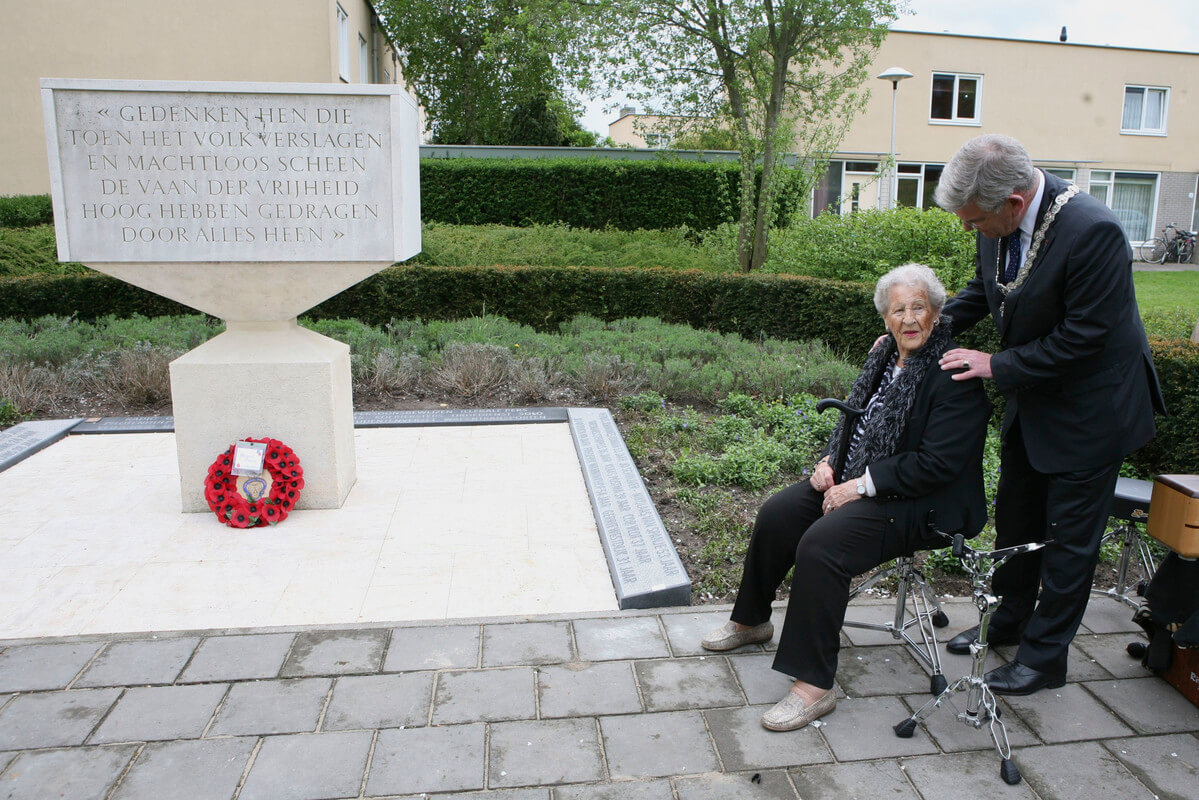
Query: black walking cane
{"type": "Point", "coordinates": [850, 415]}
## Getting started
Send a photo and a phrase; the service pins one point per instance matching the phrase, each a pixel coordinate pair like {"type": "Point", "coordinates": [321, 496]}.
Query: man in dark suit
{"type": "Point", "coordinates": [1054, 273]}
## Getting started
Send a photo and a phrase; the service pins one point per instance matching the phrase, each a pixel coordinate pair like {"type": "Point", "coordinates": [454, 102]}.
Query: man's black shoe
{"type": "Point", "coordinates": [960, 644]}
{"type": "Point", "coordinates": [1016, 679]}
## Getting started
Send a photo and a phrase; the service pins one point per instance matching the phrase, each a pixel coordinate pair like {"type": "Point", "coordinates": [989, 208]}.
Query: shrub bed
{"type": "Point", "coordinates": [755, 306]}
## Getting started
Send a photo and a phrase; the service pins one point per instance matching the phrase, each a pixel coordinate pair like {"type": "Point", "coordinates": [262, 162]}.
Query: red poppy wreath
{"type": "Point", "coordinates": [253, 503]}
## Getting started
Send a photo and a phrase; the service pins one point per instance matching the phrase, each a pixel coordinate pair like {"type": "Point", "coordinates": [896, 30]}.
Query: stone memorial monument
{"type": "Point", "coordinates": [252, 203]}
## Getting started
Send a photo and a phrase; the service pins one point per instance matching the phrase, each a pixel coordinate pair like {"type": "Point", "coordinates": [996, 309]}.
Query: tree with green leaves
{"type": "Point", "coordinates": [480, 68]}
{"type": "Point", "coordinates": [782, 76]}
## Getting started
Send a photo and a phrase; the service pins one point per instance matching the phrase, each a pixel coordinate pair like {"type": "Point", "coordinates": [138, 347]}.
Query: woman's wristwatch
{"type": "Point", "coordinates": [861, 488]}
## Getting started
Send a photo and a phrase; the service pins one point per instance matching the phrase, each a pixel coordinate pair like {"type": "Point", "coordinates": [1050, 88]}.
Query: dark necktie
{"type": "Point", "coordinates": [1013, 256]}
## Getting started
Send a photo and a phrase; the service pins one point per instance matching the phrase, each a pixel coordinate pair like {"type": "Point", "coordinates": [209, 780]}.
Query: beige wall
{"type": "Point", "coordinates": [1062, 101]}
{"type": "Point", "coordinates": [213, 40]}
{"type": "Point", "coordinates": [632, 129]}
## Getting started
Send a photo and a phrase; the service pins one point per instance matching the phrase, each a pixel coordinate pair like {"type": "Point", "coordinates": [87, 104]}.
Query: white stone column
{"type": "Point", "coordinates": [271, 379]}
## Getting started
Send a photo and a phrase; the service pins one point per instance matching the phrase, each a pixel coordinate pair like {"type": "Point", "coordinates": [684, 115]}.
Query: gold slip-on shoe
{"type": "Point", "coordinates": [792, 712]}
{"type": "Point", "coordinates": [727, 637]}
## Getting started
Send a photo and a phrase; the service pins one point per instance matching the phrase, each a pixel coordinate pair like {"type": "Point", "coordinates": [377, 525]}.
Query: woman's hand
{"type": "Point", "coordinates": [822, 476]}
{"type": "Point", "coordinates": [839, 495]}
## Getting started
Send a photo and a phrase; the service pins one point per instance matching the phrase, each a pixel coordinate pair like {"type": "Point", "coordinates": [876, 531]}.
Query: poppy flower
{"type": "Point", "coordinates": [270, 514]}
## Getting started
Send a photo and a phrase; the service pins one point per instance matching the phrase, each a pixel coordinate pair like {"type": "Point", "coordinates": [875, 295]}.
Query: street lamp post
{"type": "Point", "coordinates": [895, 75]}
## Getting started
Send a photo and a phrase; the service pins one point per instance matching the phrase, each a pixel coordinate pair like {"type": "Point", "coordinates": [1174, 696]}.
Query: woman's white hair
{"type": "Point", "coordinates": [986, 171]}
{"type": "Point", "coordinates": [914, 275]}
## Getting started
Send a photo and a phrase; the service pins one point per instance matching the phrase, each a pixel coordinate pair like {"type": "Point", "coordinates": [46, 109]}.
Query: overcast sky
{"type": "Point", "coordinates": [1153, 24]}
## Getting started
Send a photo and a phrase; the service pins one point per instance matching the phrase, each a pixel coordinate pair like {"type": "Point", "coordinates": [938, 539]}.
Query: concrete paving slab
{"type": "Point", "coordinates": [526, 643]}
{"type": "Point", "coordinates": [861, 728]}
{"type": "Point", "coordinates": [380, 701]}
{"type": "Point", "coordinates": [952, 735]}
{"type": "Point", "coordinates": [541, 752]}
{"type": "Point", "coordinates": [439, 647]}
{"type": "Point", "coordinates": [758, 679]}
{"type": "Point", "coordinates": [947, 776]}
{"type": "Point", "coordinates": [235, 658]}
{"type": "Point", "coordinates": [1105, 615]}
{"type": "Point", "coordinates": [581, 689]}
{"type": "Point", "coordinates": [310, 766]}
{"type": "Point", "coordinates": [1149, 705]}
{"type": "Point", "coordinates": [436, 759]}
{"type": "Point", "coordinates": [621, 638]}
{"type": "Point", "coordinates": [526, 793]}
{"type": "Point", "coordinates": [1082, 666]}
{"type": "Point", "coordinates": [1068, 714]}
{"type": "Point", "coordinates": [335, 653]}
{"type": "Point", "coordinates": [657, 745]}
{"type": "Point", "coordinates": [765, 785]}
{"type": "Point", "coordinates": [486, 695]}
{"type": "Point", "coordinates": [158, 713]}
{"type": "Point", "coordinates": [685, 632]}
{"type": "Point", "coordinates": [1168, 765]}
{"type": "Point", "coordinates": [201, 769]}
{"type": "Point", "coordinates": [744, 744]}
{"type": "Point", "coordinates": [281, 706]}
{"type": "Point", "coordinates": [53, 719]}
{"type": "Point", "coordinates": [1110, 652]}
{"type": "Point", "coordinates": [683, 683]}
{"type": "Point", "coordinates": [1071, 771]}
{"type": "Point", "coordinates": [873, 671]}
{"type": "Point", "coordinates": [855, 780]}
{"type": "Point", "coordinates": [36, 667]}
{"type": "Point", "coordinates": [80, 773]}
{"type": "Point", "coordinates": [139, 662]}
{"type": "Point", "coordinates": [618, 790]}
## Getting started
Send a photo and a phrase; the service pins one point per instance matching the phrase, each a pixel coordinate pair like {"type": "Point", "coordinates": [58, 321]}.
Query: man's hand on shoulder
{"type": "Point", "coordinates": [974, 363]}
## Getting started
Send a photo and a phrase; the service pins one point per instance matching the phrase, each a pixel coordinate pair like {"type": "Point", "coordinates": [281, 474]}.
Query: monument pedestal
{"type": "Point", "coordinates": [271, 379]}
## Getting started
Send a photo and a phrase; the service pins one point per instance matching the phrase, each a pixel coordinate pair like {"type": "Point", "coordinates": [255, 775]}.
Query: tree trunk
{"type": "Point", "coordinates": [1195, 333]}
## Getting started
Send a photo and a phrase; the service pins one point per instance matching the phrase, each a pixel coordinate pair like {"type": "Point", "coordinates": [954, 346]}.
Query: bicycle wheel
{"type": "Point", "coordinates": [1185, 251]}
{"type": "Point", "coordinates": [1154, 251]}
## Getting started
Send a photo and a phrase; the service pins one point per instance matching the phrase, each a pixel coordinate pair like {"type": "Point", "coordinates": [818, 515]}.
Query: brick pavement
{"type": "Point", "coordinates": [615, 705]}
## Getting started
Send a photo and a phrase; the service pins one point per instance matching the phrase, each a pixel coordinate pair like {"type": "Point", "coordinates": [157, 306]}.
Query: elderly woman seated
{"type": "Point", "coordinates": [917, 447]}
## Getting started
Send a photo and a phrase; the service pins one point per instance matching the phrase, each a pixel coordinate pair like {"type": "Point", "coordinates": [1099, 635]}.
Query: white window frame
{"type": "Point", "coordinates": [364, 60]}
{"type": "Point", "coordinates": [976, 120]}
{"type": "Point", "coordinates": [1142, 130]}
{"type": "Point", "coordinates": [343, 44]}
{"type": "Point", "coordinates": [1110, 183]}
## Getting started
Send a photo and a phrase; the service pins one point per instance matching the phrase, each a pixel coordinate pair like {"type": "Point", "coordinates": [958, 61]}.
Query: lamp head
{"type": "Point", "coordinates": [895, 75]}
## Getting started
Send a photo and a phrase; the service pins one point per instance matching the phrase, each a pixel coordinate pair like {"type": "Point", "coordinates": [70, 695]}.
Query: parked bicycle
{"type": "Point", "coordinates": [1174, 244]}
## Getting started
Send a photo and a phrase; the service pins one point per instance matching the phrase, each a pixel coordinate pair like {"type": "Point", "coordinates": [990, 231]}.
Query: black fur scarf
{"type": "Point", "coordinates": [886, 425]}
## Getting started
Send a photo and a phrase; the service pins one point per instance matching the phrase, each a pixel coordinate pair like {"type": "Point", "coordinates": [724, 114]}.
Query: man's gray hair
{"type": "Point", "coordinates": [985, 172]}
{"type": "Point", "coordinates": [914, 275]}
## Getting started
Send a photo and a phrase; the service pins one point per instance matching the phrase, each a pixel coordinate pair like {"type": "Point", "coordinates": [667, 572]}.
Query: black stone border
{"type": "Point", "coordinates": [645, 567]}
{"type": "Point", "coordinates": [26, 438]}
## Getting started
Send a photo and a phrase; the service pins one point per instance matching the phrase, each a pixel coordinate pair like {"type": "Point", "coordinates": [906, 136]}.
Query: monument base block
{"type": "Point", "coordinates": [271, 379]}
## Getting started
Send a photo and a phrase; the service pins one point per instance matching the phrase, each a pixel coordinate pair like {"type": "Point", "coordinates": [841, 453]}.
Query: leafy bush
{"type": "Point", "coordinates": [33, 251]}
{"type": "Point", "coordinates": [25, 210]}
{"type": "Point", "coordinates": [587, 193]}
{"type": "Point", "coordinates": [864, 245]}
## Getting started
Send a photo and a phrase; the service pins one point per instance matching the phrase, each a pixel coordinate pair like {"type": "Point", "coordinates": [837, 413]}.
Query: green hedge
{"type": "Point", "coordinates": [588, 193]}
{"type": "Point", "coordinates": [580, 192]}
{"type": "Point", "coordinates": [25, 210]}
{"type": "Point", "coordinates": [786, 307]}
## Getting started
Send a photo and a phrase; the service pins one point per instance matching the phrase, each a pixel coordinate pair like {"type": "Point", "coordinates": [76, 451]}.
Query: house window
{"type": "Point", "coordinates": [1131, 196]}
{"type": "Point", "coordinates": [364, 60]}
{"type": "Point", "coordinates": [1064, 174]}
{"type": "Point", "coordinates": [343, 44]}
{"type": "Point", "coordinates": [956, 99]}
{"type": "Point", "coordinates": [1145, 110]}
{"type": "Point", "coordinates": [657, 140]}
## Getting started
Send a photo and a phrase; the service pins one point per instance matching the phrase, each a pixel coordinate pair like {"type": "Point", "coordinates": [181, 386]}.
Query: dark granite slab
{"type": "Point", "coordinates": [645, 567]}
